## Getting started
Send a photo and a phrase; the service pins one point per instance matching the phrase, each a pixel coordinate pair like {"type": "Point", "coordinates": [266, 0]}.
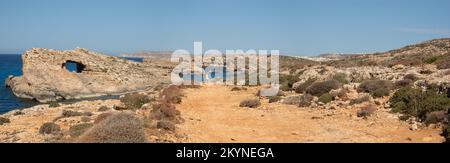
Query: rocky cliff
{"type": "Point", "coordinates": [46, 78]}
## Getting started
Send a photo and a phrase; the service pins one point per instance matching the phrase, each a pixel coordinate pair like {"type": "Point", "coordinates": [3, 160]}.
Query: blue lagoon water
{"type": "Point", "coordinates": [11, 64]}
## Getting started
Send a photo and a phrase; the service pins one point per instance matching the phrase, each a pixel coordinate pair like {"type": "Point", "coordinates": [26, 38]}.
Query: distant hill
{"type": "Point", "coordinates": [435, 51]}
{"type": "Point", "coordinates": [161, 55]}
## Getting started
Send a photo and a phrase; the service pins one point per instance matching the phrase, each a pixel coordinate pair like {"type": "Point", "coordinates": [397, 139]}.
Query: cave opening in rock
{"type": "Point", "coordinates": [73, 66]}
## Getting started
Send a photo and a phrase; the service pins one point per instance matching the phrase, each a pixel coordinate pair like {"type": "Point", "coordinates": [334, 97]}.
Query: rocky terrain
{"type": "Point", "coordinates": [45, 77]}
{"type": "Point", "coordinates": [397, 96]}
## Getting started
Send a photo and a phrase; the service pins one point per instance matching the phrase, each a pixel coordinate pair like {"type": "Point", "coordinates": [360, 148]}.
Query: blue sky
{"type": "Point", "coordinates": [301, 27]}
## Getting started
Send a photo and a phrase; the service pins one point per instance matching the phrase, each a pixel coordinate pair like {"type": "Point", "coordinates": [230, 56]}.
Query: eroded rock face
{"type": "Point", "coordinates": [46, 78]}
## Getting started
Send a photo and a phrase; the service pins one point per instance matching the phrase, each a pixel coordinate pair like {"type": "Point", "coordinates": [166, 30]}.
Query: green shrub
{"type": "Point", "coordinates": [404, 83]}
{"type": "Point", "coordinates": [413, 102]}
{"type": "Point", "coordinates": [287, 81]}
{"type": "Point", "coordinates": [341, 78]}
{"type": "Point", "coordinates": [326, 98]}
{"type": "Point", "coordinates": [70, 113]}
{"type": "Point", "coordinates": [380, 92]}
{"type": "Point", "coordinates": [79, 129]}
{"type": "Point", "coordinates": [320, 88]}
{"type": "Point", "coordinates": [302, 87]}
{"type": "Point", "coordinates": [305, 100]}
{"type": "Point", "coordinates": [103, 109]}
{"type": "Point", "coordinates": [4, 120]}
{"type": "Point", "coordinates": [432, 59]}
{"type": "Point", "coordinates": [166, 125]}
{"type": "Point", "coordinates": [49, 128]}
{"type": "Point", "coordinates": [360, 100]}
{"type": "Point", "coordinates": [273, 99]}
{"type": "Point", "coordinates": [411, 77]}
{"type": "Point", "coordinates": [119, 128]}
{"type": "Point", "coordinates": [250, 103]}
{"type": "Point", "coordinates": [370, 86]}
{"type": "Point", "coordinates": [134, 101]}
{"type": "Point", "coordinates": [53, 104]}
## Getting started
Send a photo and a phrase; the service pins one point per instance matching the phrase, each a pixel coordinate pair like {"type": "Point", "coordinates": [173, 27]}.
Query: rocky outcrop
{"type": "Point", "coordinates": [46, 78]}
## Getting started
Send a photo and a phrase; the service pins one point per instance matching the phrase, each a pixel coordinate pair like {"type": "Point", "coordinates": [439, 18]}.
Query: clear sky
{"type": "Point", "coordinates": [302, 27]}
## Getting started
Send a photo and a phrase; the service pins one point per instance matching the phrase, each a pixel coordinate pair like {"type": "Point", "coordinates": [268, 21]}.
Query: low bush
{"type": "Point", "coordinates": [380, 92]}
{"type": "Point", "coordinates": [340, 93]}
{"type": "Point", "coordinates": [71, 113]}
{"type": "Point", "coordinates": [103, 109]}
{"type": "Point", "coordinates": [411, 77]}
{"type": "Point", "coordinates": [85, 119]}
{"type": "Point", "coordinates": [49, 128]}
{"type": "Point", "coordinates": [305, 100]}
{"type": "Point", "coordinates": [54, 104]}
{"type": "Point", "coordinates": [172, 94]}
{"type": "Point", "coordinates": [119, 128]}
{"type": "Point", "coordinates": [377, 88]}
{"type": "Point", "coordinates": [102, 117]}
{"type": "Point", "coordinates": [413, 102]}
{"type": "Point", "coordinates": [287, 81]}
{"type": "Point", "coordinates": [404, 83]}
{"type": "Point", "coordinates": [367, 111]}
{"type": "Point", "coordinates": [360, 100]}
{"type": "Point", "coordinates": [341, 78]}
{"type": "Point", "coordinates": [19, 113]}
{"type": "Point", "coordinates": [4, 120]}
{"type": "Point", "coordinates": [134, 101]}
{"type": "Point", "coordinates": [79, 129]}
{"type": "Point", "coordinates": [302, 87]}
{"type": "Point", "coordinates": [164, 110]}
{"type": "Point", "coordinates": [273, 99]}
{"type": "Point", "coordinates": [320, 88]}
{"type": "Point", "coordinates": [326, 98]}
{"type": "Point", "coordinates": [250, 103]}
{"type": "Point", "coordinates": [436, 117]}
{"type": "Point", "coordinates": [166, 125]}
{"type": "Point", "coordinates": [291, 100]}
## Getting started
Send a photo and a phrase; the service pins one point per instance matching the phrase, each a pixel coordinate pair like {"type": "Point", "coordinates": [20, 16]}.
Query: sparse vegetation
{"type": "Point", "coordinates": [166, 125]}
{"type": "Point", "coordinates": [273, 99]}
{"type": "Point", "coordinates": [411, 77]}
{"type": "Point", "coordinates": [79, 129]}
{"type": "Point", "coordinates": [291, 100]}
{"type": "Point", "coordinates": [49, 128]}
{"type": "Point", "coordinates": [326, 98]}
{"type": "Point", "coordinates": [71, 113]}
{"type": "Point", "coordinates": [367, 111]}
{"type": "Point", "coordinates": [238, 89]}
{"type": "Point", "coordinates": [413, 102]}
{"type": "Point", "coordinates": [287, 81]}
{"type": "Point", "coordinates": [102, 117]}
{"type": "Point", "coordinates": [320, 88]}
{"type": "Point", "coordinates": [377, 88]}
{"type": "Point", "coordinates": [163, 110]}
{"type": "Point", "coordinates": [404, 83]}
{"type": "Point", "coordinates": [360, 100]}
{"type": "Point", "coordinates": [380, 92]}
{"type": "Point", "coordinates": [436, 117]}
{"type": "Point", "coordinates": [250, 103]}
{"type": "Point", "coordinates": [4, 120]}
{"type": "Point", "coordinates": [302, 87]}
{"type": "Point", "coordinates": [305, 100]}
{"type": "Point", "coordinates": [54, 104]}
{"type": "Point", "coordinates": [341, 78]}
{"type": "Point", "coordinates": [172, 94]}
{"type": "Point", "coordinates": [134, 101]}
{"type": "Point", "coordinates": [103, 109]}
{"type": "Point", "coordinates": [119, 128]}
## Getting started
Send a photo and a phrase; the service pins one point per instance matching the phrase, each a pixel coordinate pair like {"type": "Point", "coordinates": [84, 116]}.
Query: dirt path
{"type": "Point", "coordinates": [212, 114]}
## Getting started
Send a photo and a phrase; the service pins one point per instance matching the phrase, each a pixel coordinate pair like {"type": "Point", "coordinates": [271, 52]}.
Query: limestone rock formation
{"type": "Point", "coordinates": [46, 77]}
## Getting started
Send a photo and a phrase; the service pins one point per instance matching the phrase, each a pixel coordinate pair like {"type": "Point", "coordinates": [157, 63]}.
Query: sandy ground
{"type": "Point", "coordinates": [212, 115]}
